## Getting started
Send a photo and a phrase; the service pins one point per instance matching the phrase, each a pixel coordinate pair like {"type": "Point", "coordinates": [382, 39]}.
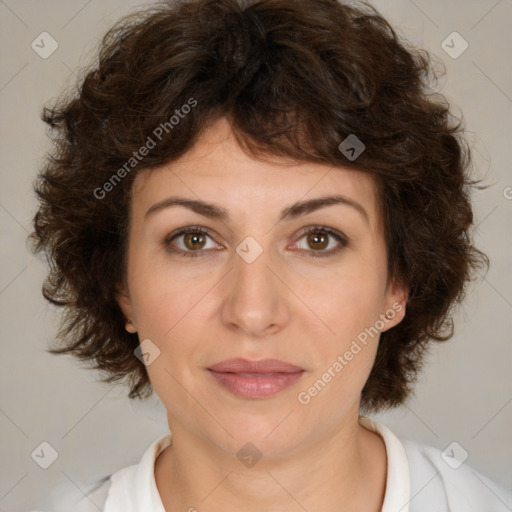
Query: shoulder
{"type": "Point", "coordinates": [444, 477]}
{"type": "Point", "coordinates": [422, 478]}
{"type": "Point", "coordinates": [69, 497]}
{"type": "Point", "coordinates": [118, 490]}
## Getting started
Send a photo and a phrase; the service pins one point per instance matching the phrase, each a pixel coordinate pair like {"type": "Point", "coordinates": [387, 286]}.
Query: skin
{"type": "Point", "coordinates": [286, 305]}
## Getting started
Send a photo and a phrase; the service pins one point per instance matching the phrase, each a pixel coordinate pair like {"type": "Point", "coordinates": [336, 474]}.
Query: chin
{"type": "Point", "coordinates": [269, 434]}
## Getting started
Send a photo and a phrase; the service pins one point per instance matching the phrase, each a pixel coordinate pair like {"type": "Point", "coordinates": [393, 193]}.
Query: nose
{"type": "Point", "coordinates": [257, 301]}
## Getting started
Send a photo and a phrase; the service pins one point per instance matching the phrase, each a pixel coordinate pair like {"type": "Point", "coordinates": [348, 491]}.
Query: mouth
{"type": "Point", "coordinates": [255, 379]}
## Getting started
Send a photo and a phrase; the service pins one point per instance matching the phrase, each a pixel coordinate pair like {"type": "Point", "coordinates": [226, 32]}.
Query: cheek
{"type": "Point", "coordinates": [352, 314]}
{"type": "Point", "coordinates": [346, 356]}
{"type": "Point", "coordinates": [161, 293]}
{"type": "Point", "coordinates": [170, 310]}
{"type": "Point", "coordinates": [355, 300]}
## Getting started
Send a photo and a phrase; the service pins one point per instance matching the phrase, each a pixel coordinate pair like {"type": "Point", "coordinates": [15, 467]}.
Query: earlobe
{"type": "Point", "coordinates": [130, 326]}
{"type": "Point", "coordinates": [396, 305]}
{"type": "Point", "coordinates": [393, 315]}
{"type": "Point", "coordinates": [125, 304]}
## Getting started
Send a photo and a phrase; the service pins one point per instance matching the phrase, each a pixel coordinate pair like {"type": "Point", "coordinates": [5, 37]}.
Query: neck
{"type": "Point", "coordinates": [346, 471]}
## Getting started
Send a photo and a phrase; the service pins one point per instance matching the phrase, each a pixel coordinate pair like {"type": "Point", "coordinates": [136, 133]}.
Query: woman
{"type": "Point", "coordinates": [256, 210]}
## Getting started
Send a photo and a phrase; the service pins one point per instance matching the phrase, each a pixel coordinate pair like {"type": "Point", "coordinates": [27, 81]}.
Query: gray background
{"type": "Point", "coordinates": [465, 392]}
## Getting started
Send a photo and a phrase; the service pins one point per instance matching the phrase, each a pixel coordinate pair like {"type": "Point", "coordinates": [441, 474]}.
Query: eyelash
{"type": "Point", "coordinates": [200, 230]}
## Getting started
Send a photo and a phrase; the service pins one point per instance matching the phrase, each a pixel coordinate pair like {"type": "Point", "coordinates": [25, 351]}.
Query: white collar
{"type": "Point", "coordinates": [133, 489]}
{"type": "Point", "coordinates": [398, 482]}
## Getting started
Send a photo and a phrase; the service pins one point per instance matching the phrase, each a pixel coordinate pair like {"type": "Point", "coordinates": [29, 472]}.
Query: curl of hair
{"type": "Point", "coordinates": [294, 78]}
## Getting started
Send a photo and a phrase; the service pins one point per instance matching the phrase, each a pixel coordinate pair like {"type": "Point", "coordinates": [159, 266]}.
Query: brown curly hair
{"type": "Point", "coordinates": [294, 78]}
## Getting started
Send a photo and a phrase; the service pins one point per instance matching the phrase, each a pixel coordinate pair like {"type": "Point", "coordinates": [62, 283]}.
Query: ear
{"type": "Point", "coordinates": [395, 305]}
{"type": "Point", "coordinates": [125, 304]}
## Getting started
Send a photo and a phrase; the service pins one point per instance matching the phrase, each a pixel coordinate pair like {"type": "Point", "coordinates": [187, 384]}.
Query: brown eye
{"type": "Point", "coordinates": [318, 240]}
{"type": "Point", "coordinates": [191, 241]}
{"type": "Point", "coordinates": [194, 241]}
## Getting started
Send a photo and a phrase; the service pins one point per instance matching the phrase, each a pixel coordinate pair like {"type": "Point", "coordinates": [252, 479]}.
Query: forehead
{"type": "Point", "coordinates": [217, 170]}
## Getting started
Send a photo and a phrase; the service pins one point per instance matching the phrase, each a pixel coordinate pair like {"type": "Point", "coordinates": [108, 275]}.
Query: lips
{"type": "Point", "coordinates": [255, 379]}
{"type": "Point", "coordinates": [246, 366]}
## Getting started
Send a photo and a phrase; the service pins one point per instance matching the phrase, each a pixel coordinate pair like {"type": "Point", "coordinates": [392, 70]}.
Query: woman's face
{"type": "Point", "coordinates": [255, 287]}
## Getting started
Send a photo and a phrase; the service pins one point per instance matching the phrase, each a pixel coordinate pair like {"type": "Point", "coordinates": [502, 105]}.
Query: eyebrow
{"type": "Point", "coordinates": [215, 212]}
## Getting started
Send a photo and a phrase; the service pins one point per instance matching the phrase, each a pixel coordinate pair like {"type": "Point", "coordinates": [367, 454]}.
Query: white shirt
{"type": "Point", "coordinates": [419, 479]}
